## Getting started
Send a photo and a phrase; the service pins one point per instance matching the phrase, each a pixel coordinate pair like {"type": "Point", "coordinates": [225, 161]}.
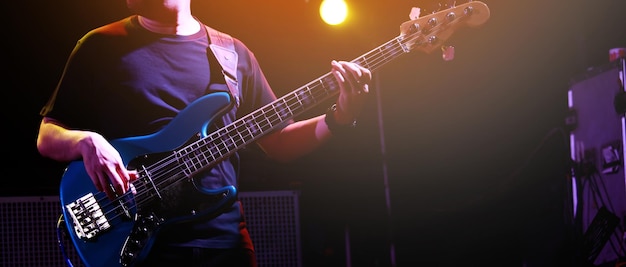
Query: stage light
{"type": "Point", "coordinates": [333, 12]}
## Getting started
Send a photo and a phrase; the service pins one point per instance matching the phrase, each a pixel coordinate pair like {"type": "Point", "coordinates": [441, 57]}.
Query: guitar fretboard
{"type": "Point", "coordinates": [222, 143]}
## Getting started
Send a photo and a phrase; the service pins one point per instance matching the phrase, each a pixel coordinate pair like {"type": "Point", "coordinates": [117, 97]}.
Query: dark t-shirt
{"type": "Point", "coordinates": [124, 81]}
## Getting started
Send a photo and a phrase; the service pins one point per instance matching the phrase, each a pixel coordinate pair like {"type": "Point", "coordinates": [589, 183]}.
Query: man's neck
{"type": "Point", "coordinates": [182, 26]}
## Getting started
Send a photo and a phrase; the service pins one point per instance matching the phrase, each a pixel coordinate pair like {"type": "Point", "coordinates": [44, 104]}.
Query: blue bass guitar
{"type": "Point", "coordinates": [120, 232]}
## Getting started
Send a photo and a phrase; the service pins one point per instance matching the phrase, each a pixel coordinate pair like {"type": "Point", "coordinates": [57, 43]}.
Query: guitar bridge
{"type": "Point", "coordinates": [87, 217]}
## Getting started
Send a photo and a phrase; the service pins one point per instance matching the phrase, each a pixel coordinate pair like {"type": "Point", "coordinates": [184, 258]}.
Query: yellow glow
{"type": "Point", "coordinates": [333, 12]}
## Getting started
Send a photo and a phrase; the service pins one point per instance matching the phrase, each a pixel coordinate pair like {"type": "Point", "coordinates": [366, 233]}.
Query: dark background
{"type": "Point", "coordinates": [473, 157]}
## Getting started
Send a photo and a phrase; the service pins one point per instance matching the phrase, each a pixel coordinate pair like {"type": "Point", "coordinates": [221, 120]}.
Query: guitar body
{"type": "Point", "coordinates": [121, 232]}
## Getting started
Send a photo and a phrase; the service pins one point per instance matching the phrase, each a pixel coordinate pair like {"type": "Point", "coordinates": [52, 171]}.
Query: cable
{"type": "Point", "coordinates": [61, 246]}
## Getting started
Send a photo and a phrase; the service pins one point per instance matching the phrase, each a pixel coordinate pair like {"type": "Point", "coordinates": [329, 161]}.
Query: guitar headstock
{"type": "Point", "coordinates": [429, 32]}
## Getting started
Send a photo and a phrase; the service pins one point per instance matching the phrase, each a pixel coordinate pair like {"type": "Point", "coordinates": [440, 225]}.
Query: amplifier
{"type": "Point", "coordinates": [597, 105]}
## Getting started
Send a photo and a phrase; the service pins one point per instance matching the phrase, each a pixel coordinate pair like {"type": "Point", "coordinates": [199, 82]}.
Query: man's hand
{"type": "Point", "coordinates": [104, 165]}
{"type": "Point", "coordinates": [354, 85]}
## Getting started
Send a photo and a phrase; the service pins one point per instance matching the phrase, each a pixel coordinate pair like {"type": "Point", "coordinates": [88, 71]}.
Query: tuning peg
{"type": "Point", "coordinates": [447, 52]}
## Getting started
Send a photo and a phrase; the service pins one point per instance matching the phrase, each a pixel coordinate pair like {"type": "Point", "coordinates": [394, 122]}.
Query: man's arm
{"type": "Point", "coordinates": [102, 161]}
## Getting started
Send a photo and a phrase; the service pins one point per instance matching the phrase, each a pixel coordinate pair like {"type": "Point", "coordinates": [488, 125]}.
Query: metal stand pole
{"type": "Point", "coordinates": [383, 152]}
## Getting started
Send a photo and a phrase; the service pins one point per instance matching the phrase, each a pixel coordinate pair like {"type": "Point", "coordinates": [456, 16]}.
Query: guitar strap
{"type": "Point", "coordinates": [223, 48]}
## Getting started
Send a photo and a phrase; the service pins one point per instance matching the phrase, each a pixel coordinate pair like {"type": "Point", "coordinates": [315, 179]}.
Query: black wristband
{"type": "Point", "coordinates": [332, 124]}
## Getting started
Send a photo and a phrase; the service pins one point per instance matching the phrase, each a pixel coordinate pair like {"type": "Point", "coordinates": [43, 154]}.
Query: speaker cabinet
{"type": "Point", "coordinates": [28, 230]}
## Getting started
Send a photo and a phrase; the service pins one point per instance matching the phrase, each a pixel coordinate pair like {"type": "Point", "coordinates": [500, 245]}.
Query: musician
{"type": "Point", "coordinates": [133, 76]}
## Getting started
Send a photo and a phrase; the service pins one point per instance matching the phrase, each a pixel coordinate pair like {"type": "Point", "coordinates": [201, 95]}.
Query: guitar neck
{"type": "Point", "coordinates": [224, 142]}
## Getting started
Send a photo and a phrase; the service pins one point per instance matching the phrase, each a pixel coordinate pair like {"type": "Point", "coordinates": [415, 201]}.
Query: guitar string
{"type": "Point", "coordinates": [382, 54]}
{"type": "Point", "coordinates": [284, 100]}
